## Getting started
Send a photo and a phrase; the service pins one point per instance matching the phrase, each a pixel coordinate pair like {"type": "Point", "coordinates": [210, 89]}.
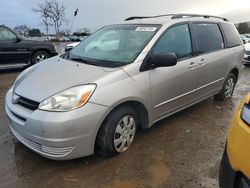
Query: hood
{"type": "Point", "coordinates": [55, 75]}
{"type": "Point", "coordinates": [73, 44]}
{"type": "Point", "coordinates": [247, 46]}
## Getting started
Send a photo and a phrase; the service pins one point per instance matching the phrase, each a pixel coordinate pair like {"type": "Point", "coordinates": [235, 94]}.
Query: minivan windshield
{"type": "Point", "coordinates": [113, 46]}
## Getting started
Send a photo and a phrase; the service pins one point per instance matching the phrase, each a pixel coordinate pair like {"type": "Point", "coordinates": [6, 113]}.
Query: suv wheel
{"type": "Point", "coordinates": [227, 89]}
{"type": "Point", "coordinates": [39, 56]}
{"type": "Point", "coordinates": [117, 132]}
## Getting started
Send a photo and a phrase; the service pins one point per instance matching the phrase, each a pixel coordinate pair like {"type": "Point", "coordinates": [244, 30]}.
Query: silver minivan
{"type": "Point", "coordinates": [124, 77]}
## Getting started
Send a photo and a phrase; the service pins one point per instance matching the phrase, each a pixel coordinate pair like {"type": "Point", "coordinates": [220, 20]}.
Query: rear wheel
{"type": "Point", "coordinates": [39, 56]}
{"type": "Point", "coordinates": [117, 132]}
{"type": "Point", "coordinates": [227, 89]}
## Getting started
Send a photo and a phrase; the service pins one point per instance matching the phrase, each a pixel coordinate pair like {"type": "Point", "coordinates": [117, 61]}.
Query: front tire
{"type": "Point", "coordinates": [227, 175]}
{"type": "Point", "coordinates": [39, 56]}
{"type": "Point", "coordinates": [117, 132]}
{"type": "Point", "coordinates": [227, 89]}
{"type": "Point", "coordinates": [240, 182]}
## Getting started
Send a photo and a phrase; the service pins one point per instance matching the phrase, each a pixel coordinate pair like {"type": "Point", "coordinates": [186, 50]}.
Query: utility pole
{"type": "Point", "coordinates": [75, 14]}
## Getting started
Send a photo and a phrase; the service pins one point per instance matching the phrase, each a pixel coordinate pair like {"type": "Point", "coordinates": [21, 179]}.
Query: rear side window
{"type": "Point", "coordinates": [176, 40]}
{"type": "Point", "coordinates": [209, 37]}
{"type": "Point", "coordinates": [232, 35]}
{"type": "Point", "coordinates": [6, 35]}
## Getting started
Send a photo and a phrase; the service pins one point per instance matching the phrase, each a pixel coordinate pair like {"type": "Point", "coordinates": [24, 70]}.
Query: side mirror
{"type": "Point", "coordinates": [164, 60]}
{"type": "Point", "coordinates": [18, 39]}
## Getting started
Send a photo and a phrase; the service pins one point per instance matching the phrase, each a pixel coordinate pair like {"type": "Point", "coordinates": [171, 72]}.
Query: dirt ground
{"type": "Point", "coordinates": [183, 151]}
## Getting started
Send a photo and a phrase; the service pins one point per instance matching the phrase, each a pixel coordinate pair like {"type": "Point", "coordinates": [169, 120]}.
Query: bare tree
{"type": "Point", "coordinates": [57, 15]}
{"type": "Point", "coordinates": [67, 32]}
{"type": "Point", "coordinates": [22, 30]}
{"type": "Point", "coordinates": [52, 14]}
{"type": "Point", "coordinates": [43, 10]}
{"type": "Point", "coordinates": [84, 30]}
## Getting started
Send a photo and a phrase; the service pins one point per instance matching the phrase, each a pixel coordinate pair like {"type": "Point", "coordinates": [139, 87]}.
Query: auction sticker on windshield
{"type": "Point", "coordinates": [149, 29]}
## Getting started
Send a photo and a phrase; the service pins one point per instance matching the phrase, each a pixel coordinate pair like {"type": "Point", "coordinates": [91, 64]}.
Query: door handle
{"type": "Point", "coordinates": [202, 62]}
{"type": "Point", "coordinates": [192, 65]}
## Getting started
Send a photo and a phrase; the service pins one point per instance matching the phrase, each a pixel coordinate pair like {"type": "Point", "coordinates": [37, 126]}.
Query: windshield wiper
{"type": "Point", "coordinates": [89, 62]}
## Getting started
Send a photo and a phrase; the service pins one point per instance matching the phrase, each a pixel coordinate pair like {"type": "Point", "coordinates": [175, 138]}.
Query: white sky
{"type": "Point", "coordinates": [96, 13]}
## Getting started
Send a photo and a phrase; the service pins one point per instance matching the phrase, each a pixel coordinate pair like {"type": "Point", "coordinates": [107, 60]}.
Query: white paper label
{"type": "Point", "coordinates": [148, 29]}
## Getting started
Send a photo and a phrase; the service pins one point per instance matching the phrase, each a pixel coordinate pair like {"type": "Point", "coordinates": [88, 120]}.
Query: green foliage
{"type": "Point", "coordinates": [243, 28]}
{"type": "Point", "coordinates": [81, 34]}
{"type": "Point", "coordinates": [35, 33]}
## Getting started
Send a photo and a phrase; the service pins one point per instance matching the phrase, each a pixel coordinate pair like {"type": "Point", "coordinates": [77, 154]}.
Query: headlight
{"type": "Point", "coordinates": [69, 99]}
{"type": "Point", "coordinates": [245, 114]}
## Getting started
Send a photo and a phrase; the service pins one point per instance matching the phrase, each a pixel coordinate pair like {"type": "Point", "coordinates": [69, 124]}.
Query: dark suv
{"type": "Point", "coordinates": [17, 52]}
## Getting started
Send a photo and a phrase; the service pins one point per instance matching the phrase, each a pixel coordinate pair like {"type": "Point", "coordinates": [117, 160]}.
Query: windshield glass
{"type": "Point", "coordinates": [114, 46]}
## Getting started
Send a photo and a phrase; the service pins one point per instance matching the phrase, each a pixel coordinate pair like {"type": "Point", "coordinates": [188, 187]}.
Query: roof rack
{"type": "Point", "coordinates": [175, 16]}
{"type": "Point", "coordinates": [144, 17]}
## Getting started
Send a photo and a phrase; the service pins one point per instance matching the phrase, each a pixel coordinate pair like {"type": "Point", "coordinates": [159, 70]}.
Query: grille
{"type": "Point", "coordinates": [19, 117]}
{"type": "Point", "coordinates": [247, 52]}
{"type": "Point", "coordinates": [32, 105]}
{"type": "Point", "coordinates": [57, 152]}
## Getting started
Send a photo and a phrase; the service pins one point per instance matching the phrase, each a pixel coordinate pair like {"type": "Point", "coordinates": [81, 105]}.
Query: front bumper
{"type": "Point", "coordinates": [56, 135]}
{"type": "Point", "coordinates": [54, 53]}
{"type": "Point", "coordinates": [238, 145]}
{"type": "Point", "coordinates": [238, 142]}
{"type": "Point", "coordinates": [246, 62]}
{"type": "Point", "coordinates": [228, 175]}
{"type": "Point", "coordinates": [246, 59]}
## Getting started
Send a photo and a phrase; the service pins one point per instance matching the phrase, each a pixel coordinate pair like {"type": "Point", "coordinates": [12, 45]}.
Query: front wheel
{"type": "Point", "coordinates": [227, 89]}
{"type": "Point", "coordinates": [240, 182]}
{"type": "Point", "coordinates": [39, 56]}
{"type": "Point", "coordinates": [117, 132]}
{"type": "Point", "coordinates": [227, 175]}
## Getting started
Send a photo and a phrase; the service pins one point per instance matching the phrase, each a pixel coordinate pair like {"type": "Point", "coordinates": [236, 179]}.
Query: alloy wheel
{"type": "Point", "coordinates": [229, 88]}
{"type": "Point", "coordinates": [40, 57]}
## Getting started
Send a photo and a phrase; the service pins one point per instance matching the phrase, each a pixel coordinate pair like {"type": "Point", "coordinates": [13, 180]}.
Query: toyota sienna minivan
{"type": "Point", "coordinates": [127, 76]}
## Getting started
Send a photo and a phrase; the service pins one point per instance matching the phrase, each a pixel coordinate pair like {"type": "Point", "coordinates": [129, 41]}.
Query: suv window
{"type": "Point", "coordinates": [115, 45]}
{"type": "Point", "coordinates": [176, 40]}
{"type": "Point", "coordinates": [111, 36]}
{"type": "Point", "coordinates": [6, 34]}
{"type": "Point", "coordinates": [209, 37]}
{"type": "Point", "coordinates": [232, 35]}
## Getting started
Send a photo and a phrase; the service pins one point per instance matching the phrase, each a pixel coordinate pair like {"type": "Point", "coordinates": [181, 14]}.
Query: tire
{"type": "Point", "coordinates": [39, 56]}
{"type": "Point", "coordinates": [227, 175]}
{"type": "Point", "coordinates": [227, 89]}
{"type": "Point", "coordinates": [240, 182]}
{"type": "Point", "coordinates": [247, 65]}
{"type": "Point", "coordinates": [117, 132]}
